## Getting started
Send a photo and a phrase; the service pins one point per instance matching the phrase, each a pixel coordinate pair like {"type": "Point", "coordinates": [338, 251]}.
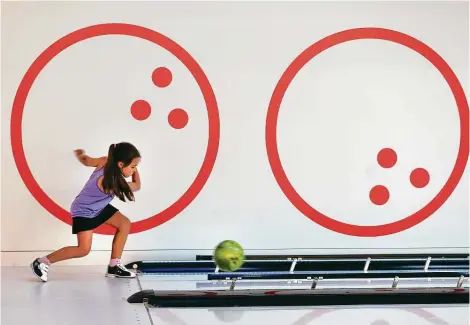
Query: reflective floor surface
{"type": "Point", "coordinates": [82, 295]}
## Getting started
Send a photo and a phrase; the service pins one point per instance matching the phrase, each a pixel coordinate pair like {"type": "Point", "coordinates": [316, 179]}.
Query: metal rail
{"type": "Point", "coordinates": [294, 264]}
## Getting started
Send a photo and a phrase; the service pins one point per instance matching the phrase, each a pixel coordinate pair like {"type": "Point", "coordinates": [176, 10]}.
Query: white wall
{"type": "Point", "coordinates": [345, 105]}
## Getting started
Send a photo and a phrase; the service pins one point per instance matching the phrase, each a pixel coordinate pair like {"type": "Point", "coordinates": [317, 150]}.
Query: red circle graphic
{"type": "Point", "coordinates": [379, 195]}
{"type": "Point", "coordinates": [162, 77]}
{"type": "Point", "coordinates": [273, 112]}
{"type": "Point", "coordinates": [127, 30]}
{"type": "Point", "coordinates": [387, 158]}
{"type": "Point", "coordinates": [419, 177]}
{"type": "Point", "coordinates": [178, 118]}
{"type": "Point", "coordinates": [141, 110]}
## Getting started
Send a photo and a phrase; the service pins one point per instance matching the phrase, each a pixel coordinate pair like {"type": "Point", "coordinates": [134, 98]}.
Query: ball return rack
{"type": "Point", "coordinates": [313, 280]}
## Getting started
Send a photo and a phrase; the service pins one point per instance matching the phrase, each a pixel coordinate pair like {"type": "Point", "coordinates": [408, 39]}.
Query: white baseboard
{"type": "Point", "coordinates": [99, 257]}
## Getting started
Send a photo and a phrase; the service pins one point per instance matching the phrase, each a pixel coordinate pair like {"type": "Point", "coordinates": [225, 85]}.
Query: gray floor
{"type": "Point", "coordinates": [73, 295]}
{"type": "Point", "coordinates": [82, 295]}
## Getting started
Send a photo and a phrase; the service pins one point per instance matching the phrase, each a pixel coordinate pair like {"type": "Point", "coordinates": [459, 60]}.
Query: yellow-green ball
{"type": "Point", "coordinates": [229, 256]}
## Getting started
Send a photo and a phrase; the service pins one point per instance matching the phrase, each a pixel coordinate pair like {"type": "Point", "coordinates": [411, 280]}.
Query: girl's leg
{"type": "Point", "coordinates": [40, 266]}
{"type": "Point", "coordinates": [123, 226]}
{"type": "Point", "coordinates": [82, 249]}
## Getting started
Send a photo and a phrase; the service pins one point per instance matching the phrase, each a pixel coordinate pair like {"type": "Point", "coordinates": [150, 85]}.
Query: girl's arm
{"type": "Point", "coordinates": [87, 160]}
{"type": "Point", "coordinates": [135, 184]}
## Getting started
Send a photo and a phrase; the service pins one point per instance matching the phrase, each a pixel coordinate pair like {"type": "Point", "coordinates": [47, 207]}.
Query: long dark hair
{"type": "Point", "coordinates": [113, 181]}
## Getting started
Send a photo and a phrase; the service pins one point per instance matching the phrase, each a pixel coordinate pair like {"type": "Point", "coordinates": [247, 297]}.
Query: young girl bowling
{"type": "Point", "coordinates": [92, 207]}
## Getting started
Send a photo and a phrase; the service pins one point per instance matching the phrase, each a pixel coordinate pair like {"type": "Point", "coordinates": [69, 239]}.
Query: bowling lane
{"type": "Point", "coordinates": [200, 282]}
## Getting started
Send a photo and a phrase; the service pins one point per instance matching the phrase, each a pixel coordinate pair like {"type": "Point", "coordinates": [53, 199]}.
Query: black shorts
{"type": "Point", "coordinates": [84, 224]}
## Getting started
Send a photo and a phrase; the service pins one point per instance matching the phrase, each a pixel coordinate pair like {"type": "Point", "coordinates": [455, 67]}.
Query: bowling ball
{"type": "Point", "coordinates": [229, 256]}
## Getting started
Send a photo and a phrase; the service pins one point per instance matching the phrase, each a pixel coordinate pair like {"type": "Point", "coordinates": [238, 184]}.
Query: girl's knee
{"type": "Point", "coordinates": [83, 250]}
{"type": "Point", "coordinates": [125, 224]}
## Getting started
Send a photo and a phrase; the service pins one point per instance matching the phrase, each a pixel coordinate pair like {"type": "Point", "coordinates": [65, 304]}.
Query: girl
{"type": "Point", "coordinates": [92, 208]}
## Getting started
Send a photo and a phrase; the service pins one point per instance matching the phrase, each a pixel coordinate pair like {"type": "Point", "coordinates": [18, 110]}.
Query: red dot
{"type": "Point", "coordinates": [387, 158]}
{"type": "Point", "coordinates": [141, 110]}
{"type": "Point", "coordinates": [379, 195]}
{"type": "Point", "coordinates": [178, 118]}
{"type": "Point", "coordinates": [162, 77]}
{"type": "Point", "coordinates": [419, 177]}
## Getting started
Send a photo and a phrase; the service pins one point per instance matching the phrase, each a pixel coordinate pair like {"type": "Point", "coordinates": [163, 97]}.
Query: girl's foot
{"type": "Point", "coordinates": [119, 271]}
{"type": "Point", "coordinates": [40, 269]}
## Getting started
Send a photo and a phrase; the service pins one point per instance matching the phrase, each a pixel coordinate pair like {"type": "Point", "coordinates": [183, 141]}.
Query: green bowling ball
{"type": "Point", "coordinates": [229, 256]}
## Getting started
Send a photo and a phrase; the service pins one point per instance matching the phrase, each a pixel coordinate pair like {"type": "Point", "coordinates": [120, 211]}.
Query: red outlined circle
{"type": "Point", "coordinates": [273, 112]}
{"type": "Point", "coordinates": [127, 30]}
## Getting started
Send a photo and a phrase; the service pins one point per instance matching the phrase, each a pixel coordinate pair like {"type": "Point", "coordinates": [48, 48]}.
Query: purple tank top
{"type": "Point", "coordinates": [91, 200]}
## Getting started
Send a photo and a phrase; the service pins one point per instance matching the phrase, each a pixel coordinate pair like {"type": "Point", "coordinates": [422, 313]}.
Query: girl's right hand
{"type": "Point", "coordinates": [79, 152]}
